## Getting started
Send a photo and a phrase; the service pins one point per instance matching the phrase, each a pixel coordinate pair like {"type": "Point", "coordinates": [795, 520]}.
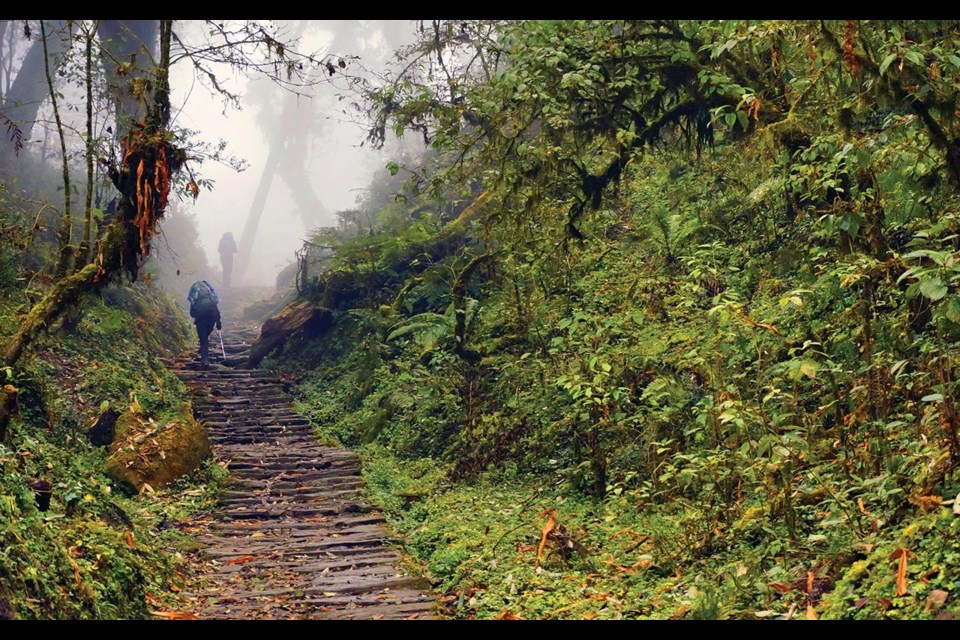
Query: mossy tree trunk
{"type": "Point", "coordinates": [125, 241]}
{"type": "Point", "coordinates": [65, 237]}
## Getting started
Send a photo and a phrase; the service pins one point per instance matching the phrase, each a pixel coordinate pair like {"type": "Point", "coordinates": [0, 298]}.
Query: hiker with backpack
{"type": "Point", "coordinates": [227, 248]}
{"type": "Point", "coordinates": [205, 313]}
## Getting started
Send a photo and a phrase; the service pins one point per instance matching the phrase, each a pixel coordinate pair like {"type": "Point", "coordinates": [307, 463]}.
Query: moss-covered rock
{"type": "Point", "coordinates": [147, 452]}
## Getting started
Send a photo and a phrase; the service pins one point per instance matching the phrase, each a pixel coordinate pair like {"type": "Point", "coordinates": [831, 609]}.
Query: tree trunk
{"type": "Point", "coordinates": [29, 89]}
{"type": "Point", "coordinates": [256, 212]}
{"type": "Point", "coordinates": [127, 49]}
{"type": "Point", "coordinates": [64, 293]}
{"type": "Point", "coordinates": [65, 237]}
{"type": "Point", "coordinates": [288, 157]}
{"type": "Point", "coordinates": [4, 60]}
{"type": "Point", "coordinates": [126, 240]}
{"type": "Point", "coordinates": [84, 252]}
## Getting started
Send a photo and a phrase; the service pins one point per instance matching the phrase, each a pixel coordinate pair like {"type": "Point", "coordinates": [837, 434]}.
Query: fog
{"type": "Point", "coordinates": [337, 167]}
{"type": "Point", "coordinates": [316, 145]}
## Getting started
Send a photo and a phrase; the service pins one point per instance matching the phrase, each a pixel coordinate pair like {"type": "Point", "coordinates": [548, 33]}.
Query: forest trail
{"type": "Point", "coordinates": [292, 535]}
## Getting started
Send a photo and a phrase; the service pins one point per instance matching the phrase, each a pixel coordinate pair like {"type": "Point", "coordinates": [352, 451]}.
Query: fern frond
{"type": "Point", "coordinates": [420, 322]}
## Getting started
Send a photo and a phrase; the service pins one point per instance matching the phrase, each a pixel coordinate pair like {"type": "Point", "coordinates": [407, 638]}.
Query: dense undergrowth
{"type": "Point", "coordinates": [97, 552]}
{"type": "Point", "coordinates": [719, 397]}
{"type": "Point", "coordinates": [709, 372]}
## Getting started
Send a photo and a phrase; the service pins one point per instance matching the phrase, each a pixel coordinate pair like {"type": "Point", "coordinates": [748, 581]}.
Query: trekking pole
{"type": "Point", "coordinates": [223, 352]}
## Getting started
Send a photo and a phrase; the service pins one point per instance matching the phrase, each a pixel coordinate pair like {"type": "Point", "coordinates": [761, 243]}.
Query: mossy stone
{"type": "Point", "coordinates": [155, 454]}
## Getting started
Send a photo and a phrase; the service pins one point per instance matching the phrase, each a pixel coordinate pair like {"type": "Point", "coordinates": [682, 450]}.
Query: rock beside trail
{"type": "Point", "coordinates": [299, 315]}
{"type": "Point", "coordinates": [147, 452]}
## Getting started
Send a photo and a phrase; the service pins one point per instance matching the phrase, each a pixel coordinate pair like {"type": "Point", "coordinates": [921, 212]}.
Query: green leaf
{"type": "Point", "coordinates": [933, 288]}
{"type": "Point", "coordinates": [906, 274]}
{"type": "Point", "coordinates": [808, 368]}
{"type": "Point", "coordinates": [953, 310]}
{"type": "Point", "coordinates": [393, 168]}
{"type": "Point", "coordinates": [743, 120]}
{"type": "Point", "coordinates": [940, 257]}
{"type": "Point", "coordinates": [886, 62]}
{"type": "Point", "coordinates": [898, 367]}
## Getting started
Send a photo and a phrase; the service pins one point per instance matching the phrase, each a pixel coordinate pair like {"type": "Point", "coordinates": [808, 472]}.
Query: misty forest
{"type": "Point", "coordinates": [480, 319]}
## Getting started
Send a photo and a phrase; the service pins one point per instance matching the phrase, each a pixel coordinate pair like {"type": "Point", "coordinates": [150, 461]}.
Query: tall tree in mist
{"type": "Point", "coordinates": [27, 88]}
{"type": "Point", "coordinates": [290, 131]}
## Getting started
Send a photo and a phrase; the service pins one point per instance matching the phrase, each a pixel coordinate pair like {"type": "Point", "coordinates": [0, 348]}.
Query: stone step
{"type": "Point", "coordinates": [292, 534]}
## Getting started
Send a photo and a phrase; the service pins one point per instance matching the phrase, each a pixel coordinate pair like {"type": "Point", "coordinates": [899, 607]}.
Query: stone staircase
{"type": "Point", "coordinates": [292, 536]}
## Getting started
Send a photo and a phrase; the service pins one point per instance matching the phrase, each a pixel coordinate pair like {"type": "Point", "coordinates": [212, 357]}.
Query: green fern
{"type": "Point", "coordinates": [421, 322]}
{"type": "Point", "coordinates": [433, 328]}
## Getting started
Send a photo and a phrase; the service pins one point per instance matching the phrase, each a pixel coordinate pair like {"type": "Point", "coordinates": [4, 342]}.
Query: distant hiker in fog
{"type": "Point", "coordinates": [227, 248]}
{"type": "Point", "coordinates": [205, 313]}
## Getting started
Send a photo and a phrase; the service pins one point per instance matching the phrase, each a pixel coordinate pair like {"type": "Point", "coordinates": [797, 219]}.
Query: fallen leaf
{"type": "Point", "coordinates": [859, 604]}
{"type": "Point", "coordinates": [549, 526]}
{"type": "Point", "coordinates": [130, 541]}
{"type": "Point", "coordinates": [944, 615]}
{"type": "Point", "coordinates": [76, 571]}
{"type": "Point", "coordinates": [741, 570]}
{"type": "Point", "coordinates": [329, 594]}
{"type": "Point", "coordinates": [506, 615]}
{"type": "Point", "coordinates": [936, 599]}
{"type": "Point", "coordinates": [174, 615]}
{"type": "Point", "coordinates": [901, 555]}
{"type": "Point", "coordinates": [926, 503]}
{"type": "Point", "coordinates": [242, 559]}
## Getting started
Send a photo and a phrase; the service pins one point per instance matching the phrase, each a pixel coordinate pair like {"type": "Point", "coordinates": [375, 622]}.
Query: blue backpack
{"type": "Point", "coordinates": [203, 299]}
